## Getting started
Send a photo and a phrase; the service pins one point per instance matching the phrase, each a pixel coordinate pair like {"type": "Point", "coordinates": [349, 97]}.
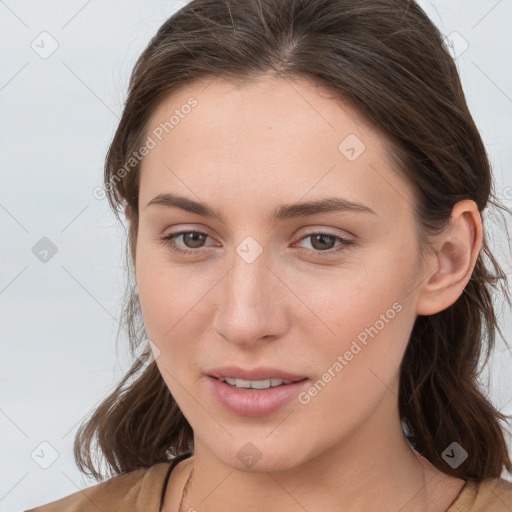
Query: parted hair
{"type": "Point", "coordinates": [388, 61]}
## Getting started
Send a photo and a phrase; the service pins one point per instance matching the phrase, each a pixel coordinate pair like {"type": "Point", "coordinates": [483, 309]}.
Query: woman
{"type": "Point", "coordinates": [305, 189]}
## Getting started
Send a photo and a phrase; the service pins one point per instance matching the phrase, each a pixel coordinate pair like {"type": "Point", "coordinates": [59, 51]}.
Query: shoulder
{"type": "Point", "coordinates": [136, 490]}
{"type": "Point", "coordinates": [489, 495]}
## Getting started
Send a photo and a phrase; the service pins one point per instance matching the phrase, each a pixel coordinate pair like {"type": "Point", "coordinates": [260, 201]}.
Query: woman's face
{"type": "Point", "coordinates": [267, 283]}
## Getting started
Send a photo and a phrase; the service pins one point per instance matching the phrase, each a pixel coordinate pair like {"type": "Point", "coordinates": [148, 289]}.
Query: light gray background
{"type": "Point", "coordinates": [58, 114]}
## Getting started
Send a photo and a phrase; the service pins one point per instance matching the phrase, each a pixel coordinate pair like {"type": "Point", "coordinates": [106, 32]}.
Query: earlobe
{"type": "Point", "coordinates": [453, 259]}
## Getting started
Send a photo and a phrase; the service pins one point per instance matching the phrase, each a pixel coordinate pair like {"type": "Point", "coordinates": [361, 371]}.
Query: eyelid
{"type": "Point", "coordinates": [344, 243]}
{"type": "Point", "coordinates": [176, 234]}
{"type": "Point", "coordinates": [311, 230]}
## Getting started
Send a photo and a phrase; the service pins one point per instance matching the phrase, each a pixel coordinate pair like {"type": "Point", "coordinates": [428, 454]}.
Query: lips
{"type": "Point", "coordinates": [254, 402]}
{"type": "Point", "coordinates": [260, 373]}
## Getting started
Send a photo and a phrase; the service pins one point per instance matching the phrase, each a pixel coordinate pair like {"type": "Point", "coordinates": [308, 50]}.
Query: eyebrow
{"type": "Point", "coordinates": [283, 212]}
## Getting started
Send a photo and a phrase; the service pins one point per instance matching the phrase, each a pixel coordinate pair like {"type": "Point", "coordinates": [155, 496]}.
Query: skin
{"type": "Point", "coordinates": [245, 150]}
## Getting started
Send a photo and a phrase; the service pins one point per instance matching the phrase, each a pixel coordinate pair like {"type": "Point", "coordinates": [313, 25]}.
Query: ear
{"type": "Point", "coordinates": [452, 259]}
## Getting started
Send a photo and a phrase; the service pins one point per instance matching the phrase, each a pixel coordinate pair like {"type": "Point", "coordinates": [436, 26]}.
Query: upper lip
{"type": "Point", "coordinates": [260, 373]}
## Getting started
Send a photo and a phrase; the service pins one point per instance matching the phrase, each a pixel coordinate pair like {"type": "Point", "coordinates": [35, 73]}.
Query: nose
{"type": "Point", "coordinates": [251, 303]}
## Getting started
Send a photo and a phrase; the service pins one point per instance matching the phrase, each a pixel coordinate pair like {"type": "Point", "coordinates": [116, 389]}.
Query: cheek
{"type": "Point", "coordinates": [170, 297]}
{"type": "Point", "coordinates": [156, 291]}
{"type": "Point", "coordinates": [364, 315]}
{"type": "Point", "coordinates": [357, 364]}
{"type": "Point", "coordinates": [352, 297]}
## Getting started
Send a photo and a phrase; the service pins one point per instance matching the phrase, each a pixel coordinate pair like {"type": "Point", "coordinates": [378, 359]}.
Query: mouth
{"type": "Point", "coordinates": [254, 397]}
{"type": "Point", "coordinates": [260, 378]}
{"type": "Point", "coordinates": [257, 384]}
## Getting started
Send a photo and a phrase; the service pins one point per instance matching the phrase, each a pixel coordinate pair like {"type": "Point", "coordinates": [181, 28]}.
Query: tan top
{"type": "Point", "coordinates": [143, 490]}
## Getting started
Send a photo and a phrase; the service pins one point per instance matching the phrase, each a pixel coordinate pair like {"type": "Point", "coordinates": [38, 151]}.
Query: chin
{"type": "Point", "coordinates": [259, 455]}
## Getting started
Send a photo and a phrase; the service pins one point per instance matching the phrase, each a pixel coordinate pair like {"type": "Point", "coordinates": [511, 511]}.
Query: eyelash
{"type": "Point", "coordinates": [168, 241]}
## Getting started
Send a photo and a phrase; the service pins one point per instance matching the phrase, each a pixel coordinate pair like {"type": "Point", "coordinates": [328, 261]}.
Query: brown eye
{"type": "Point", "coordinates": [322, 242]}
{"type": "Point", "coordinates": [192, 242]}
{"type": "Point", "coordinates": [193, 239]}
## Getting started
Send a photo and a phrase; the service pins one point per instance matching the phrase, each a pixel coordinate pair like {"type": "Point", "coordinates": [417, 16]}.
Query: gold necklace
{"type": "Point", "coordinates": [184, 492]}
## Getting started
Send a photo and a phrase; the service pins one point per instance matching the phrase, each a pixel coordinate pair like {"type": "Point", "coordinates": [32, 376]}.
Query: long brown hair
{"type": "Point", "coordinates": [388, 61]}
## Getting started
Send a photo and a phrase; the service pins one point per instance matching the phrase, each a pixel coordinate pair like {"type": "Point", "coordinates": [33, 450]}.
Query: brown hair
{"type": "Point", "coordinates": [387, 60]}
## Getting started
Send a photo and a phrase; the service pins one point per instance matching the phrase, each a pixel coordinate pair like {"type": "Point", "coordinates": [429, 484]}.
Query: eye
{"type": "Point", "coordinates": [322, 243]}
{"type": "Point", "coordinates": [194, 238]}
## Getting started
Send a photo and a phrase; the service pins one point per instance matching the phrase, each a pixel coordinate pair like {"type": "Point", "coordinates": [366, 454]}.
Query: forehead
{"type": "Point", "coordinates": [272, 134]}
{"type": "Point", "coordinates": [252, 112]}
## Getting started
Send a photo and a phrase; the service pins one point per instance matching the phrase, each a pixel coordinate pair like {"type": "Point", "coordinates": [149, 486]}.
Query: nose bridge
{"type": "Point", "coordinates": [246, 308]}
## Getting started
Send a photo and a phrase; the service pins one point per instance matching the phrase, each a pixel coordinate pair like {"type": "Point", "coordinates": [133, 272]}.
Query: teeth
{"type": "Point", "coordinates": [254, 384]}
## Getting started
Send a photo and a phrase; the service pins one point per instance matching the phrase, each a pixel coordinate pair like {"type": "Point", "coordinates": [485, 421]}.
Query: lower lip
{"type": "Point", "coordinates": [254, 402]}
